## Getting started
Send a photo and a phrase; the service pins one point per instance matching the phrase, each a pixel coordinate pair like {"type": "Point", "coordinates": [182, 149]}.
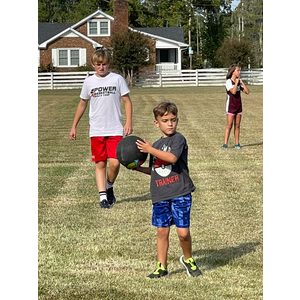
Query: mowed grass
{"type": "Point", "coordinates": [89, 253]}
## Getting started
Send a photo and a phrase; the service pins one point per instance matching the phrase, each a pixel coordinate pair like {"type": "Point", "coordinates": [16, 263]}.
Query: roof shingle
{"type": "Point", "coordinates": [48, 30]}
{"type": "Point", "coordinates": [172, 33]}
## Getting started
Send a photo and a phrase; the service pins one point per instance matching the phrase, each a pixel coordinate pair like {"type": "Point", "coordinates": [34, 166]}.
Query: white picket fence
{"type": "Point", "coordinates": [200, 77]}
{"type": "Point", "coordinates": [62, 80]}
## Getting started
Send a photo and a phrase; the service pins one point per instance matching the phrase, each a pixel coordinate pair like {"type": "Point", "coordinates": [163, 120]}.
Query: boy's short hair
{"type": "Point", "coordinates": [163, 107]}
{"type": "Point", "coordinates": [100, 56]}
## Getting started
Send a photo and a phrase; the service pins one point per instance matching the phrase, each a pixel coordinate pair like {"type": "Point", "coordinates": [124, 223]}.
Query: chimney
{"type": "Point", "coordinates": [120, 16]}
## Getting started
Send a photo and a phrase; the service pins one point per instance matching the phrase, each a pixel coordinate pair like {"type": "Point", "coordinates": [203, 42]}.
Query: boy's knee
{"type": "Point", "coordinates": [162, 232]}
{"type": "Point", "coordinates": [114, 164]}
{"type": "Point", "coordinates": [184, 235]}
{"type": "Point", "coordinates": [101, 164]}
{"type": "Point", "coordinates": [184, 238]}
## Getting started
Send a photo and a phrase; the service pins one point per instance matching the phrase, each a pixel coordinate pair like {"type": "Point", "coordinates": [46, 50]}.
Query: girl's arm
{"type": "Point", "coordinates": [234, 89]}
{"type": "Point", "coordinates": [246, 90]}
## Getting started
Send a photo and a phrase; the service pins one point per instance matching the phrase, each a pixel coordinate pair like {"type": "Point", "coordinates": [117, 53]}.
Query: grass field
{"type": "Point", "coordinates": [89, 253]}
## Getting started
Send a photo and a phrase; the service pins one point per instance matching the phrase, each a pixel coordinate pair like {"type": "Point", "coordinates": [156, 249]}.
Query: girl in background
{"type": "Point", "coordinates": [234, 86]}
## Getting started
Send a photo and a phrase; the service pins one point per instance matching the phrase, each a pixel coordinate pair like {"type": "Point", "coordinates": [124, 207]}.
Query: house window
{"type": "Point", "coordinates": [99, 27]}
{"type": "Point", "coordinates": [68, 57]}
{"type": "Point", "coordinates": [74, 57]}
{"type": "Point", "coordinates": [103, 28]}
{"type": "Point", "coordinates": [93, 28]}
{"type": "Point", "coordinates": [63, 57]}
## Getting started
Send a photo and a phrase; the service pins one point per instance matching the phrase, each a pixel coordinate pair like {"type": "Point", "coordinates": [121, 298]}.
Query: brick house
{"type": "Point", "coordinates": [69, 45]}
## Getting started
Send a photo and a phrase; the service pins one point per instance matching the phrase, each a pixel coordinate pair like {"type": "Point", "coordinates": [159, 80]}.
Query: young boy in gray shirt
{"type": "Point", "coordinates": [171, 188]}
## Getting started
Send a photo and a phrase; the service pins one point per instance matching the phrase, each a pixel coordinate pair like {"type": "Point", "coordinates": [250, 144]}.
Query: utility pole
{"type": "Point", "coordinates": [241, 21]}
{"type": "Point", "coordinates": [242, 18]}
{"type": "Point", "coordinates": [232, 25]}
{"type": "Point", "coordinates": [197, 36]}
{"type": "Point", "coordinates": [190, 40]}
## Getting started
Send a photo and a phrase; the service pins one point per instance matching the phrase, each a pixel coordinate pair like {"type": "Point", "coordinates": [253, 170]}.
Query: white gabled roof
{"type": "Point", "coordinates": [99, 13]}
{"type": "Point", "coordinates": [66, 31]}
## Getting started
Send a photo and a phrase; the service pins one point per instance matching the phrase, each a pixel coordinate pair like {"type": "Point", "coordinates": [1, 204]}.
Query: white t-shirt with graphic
{"type": "Point", "coordinates": [105, 107]}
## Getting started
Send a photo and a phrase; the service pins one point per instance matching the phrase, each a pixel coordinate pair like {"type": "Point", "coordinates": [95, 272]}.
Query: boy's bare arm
{"type": "Point", "coordinates": [163, 155]}
{"type": "Point", "coordinates": [145, 170]}
{"type": "Point", "coordinates": [79, 112]}
{"type": "Point", "coordinates": [128, 111]}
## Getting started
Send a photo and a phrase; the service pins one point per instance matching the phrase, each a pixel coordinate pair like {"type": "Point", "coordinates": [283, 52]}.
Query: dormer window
{"type": "Point", "coordinates": [98, 27]}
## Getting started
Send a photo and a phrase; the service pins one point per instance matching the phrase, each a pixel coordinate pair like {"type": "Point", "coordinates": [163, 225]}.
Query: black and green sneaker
{"type": "Point", "coordinates": [159, 272]}
{"type": "Point", "coordinates": [191, 267]}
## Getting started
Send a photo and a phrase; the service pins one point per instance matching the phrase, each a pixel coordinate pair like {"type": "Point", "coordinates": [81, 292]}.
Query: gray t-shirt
{"type": "Point", "coordinates": [168, 180]}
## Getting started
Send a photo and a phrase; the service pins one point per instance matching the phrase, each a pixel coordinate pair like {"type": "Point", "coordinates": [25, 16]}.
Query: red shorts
{"type": "Point", "coordinates": [104, 147]}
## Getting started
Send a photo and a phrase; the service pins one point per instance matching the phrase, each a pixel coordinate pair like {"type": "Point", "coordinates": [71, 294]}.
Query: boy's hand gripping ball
{"type": "Point", "coordinates": [128, 153]}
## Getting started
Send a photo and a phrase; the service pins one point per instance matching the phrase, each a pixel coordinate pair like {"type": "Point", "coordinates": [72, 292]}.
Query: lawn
{"type": "Point", "coordinates": [89, 253]}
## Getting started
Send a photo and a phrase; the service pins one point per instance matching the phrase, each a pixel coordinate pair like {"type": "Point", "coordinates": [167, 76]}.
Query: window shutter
{"type": "Point", "coordinates": [82, 57]}
{"type": "Point", "coordinates": [54, 57]}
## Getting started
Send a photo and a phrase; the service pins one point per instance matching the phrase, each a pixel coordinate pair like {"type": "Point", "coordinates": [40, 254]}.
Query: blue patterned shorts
{"type": "Point", "coordinates": [175, 211]}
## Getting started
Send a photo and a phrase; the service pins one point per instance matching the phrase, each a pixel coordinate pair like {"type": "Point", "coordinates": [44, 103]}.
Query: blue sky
{"type": "Point", "coordinates": [235, 3]}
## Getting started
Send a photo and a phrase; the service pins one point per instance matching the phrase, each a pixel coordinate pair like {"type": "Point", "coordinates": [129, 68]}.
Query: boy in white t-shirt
{"type": "Point", "coordinates": [104, 90]}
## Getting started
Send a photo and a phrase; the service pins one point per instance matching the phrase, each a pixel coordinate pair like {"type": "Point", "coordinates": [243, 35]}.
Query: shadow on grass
{"type": "Point", "coordinates": [255, 144]}
{"type": "Point", "coordinates": [144, 197]}
{"type": "Point", "coordinates": [249, 145]}
{"type": "Point", "coordinates": [209, 259]}
{"type": "Point", "coordinates": [212, 259]}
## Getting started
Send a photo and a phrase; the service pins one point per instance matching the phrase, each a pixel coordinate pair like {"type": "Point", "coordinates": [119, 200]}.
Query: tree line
{"type": "Point", "coordinates": [217, 35]}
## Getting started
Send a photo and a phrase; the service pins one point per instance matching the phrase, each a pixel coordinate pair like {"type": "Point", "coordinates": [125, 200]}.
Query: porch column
{"type": "Point", "coordinates": [179, 58]}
